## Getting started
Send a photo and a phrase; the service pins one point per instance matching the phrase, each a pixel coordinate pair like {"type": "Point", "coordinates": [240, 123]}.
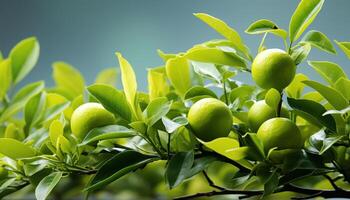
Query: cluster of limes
{"type": "Point", "coordinates": [272, 68]}
{"type": "Point", "coordinates": [210, 118]}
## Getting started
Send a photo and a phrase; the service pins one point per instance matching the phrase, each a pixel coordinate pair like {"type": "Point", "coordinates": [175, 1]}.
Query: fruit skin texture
{"type": "Point", "coordinates": [210, 118]}
{"type": "Point", "coordinates": [281, 133]}
{"type": "Point", "coordinates": [261, 112]}
{"type": "Point", "coordinates": [89, 116]}
{"type": "Point", "coordinates": [3, 173]}
{"type": "Point", "coordinates": [273, 68]}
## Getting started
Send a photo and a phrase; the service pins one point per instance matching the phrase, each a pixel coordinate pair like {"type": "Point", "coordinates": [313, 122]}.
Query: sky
{"type": "Point", "coordinates": [87, 33]}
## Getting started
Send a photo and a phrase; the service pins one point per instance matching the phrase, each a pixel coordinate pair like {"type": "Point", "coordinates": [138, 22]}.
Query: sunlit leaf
{"type": "Point", "coordinates": [336, 99]}
{"type": "Point", "coordinates": [112, 99]}
{"type": "Point", "coordinates": [46, 185]}
{"type": "Point", "coordinates": [345, 47]}
{"type": "Point", "coordinates": [157, 84]}
{"type": "Point", "coordinates": [266, 26]}
{"type": "Point", "coordinates": [156, 109]}
{"type": "Point", "coordinates": [329, 71]}
{"type": "Point", "coordinates": [55, 130]}
{"type": "Point", "coordinates": [300, 53]}
{"type": "Point", "coordinates": [34, 109]}
{"type": "Point", "coordinates": [215, 56]}
{"type": "Point", "coordinates": [107, 76]}
{"type": "Point", "coordinates": [319, 40]}
{"type": "Point", "coordinates": [107, 132]}
{"type": "Point", "coordinates": [272, 98]}
{"type": "Point", "coordinates": [24, 57]}
{"type": "Point", "coordinates": [303, 16]}
{"type": "Point", "coordinates": [68, 78]}
{"type": "Point", "coordinates": [196, 93]}
{"type": "Point", "coordinates": [15, 149]}
{"type": "Point", "coordinates": [5, 77]}
{"type": "Point", "coordinates": [296, 87]}
{"type": "Point", "coordinates": [178, 72]}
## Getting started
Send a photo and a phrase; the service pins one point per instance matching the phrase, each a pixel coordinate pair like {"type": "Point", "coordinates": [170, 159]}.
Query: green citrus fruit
{"type": "Point", "coordinates": [261, 112]}
{"type": "Point", "coordinates": [210, 118]}
{"type": "Point", "coordinates": [89, 116]}
{"type": "Point", "coordinates": [3, 173]}
{"type": "Point", "coordinates": [281, 133]}
{"type": "Point", "coordinates": [273, 68]}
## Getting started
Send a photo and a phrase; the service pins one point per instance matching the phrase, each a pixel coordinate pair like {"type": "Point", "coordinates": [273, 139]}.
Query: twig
{"type": "Point", "coordinates": [211, 182]}
{"type": "Point", "coordinates": [331, 181]}
{"type": "Point", "coordinates": [222, 192]}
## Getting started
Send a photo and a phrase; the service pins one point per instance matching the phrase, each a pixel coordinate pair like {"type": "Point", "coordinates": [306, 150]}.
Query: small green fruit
{"type": "Point", "coordinates": [273, 68]}
{"type": "Point", "coordinates": [210, 119]}
{"type": "Point", "coordinates": [261, 112]}
{"type": "Point", "coordinates": [281, 133]}
{"type": "Point", "coordinates": [89, 116]}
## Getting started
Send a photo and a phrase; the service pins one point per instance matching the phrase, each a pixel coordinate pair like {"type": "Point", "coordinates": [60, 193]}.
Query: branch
{"type": "Point", "coordinates": [222, 192]}
{"type": "Point", "coordinates": [210, 182]}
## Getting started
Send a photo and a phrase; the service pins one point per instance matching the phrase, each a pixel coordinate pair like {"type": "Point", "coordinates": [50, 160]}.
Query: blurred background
{"type": "Point", "coordinates": [86, 33]}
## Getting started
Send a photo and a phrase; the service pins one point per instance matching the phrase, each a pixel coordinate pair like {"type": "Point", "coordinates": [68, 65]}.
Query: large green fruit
{"type": "Point", "coordinates": [261, 112]}
{"type": "Point", "coordinates": [273, 68]}
{"type": "Point", "coordinates": [281, 133]}
{"type": "Point", "coordinates": [210, 118]}
{"type": "Point", "coordinates": [89, 116]}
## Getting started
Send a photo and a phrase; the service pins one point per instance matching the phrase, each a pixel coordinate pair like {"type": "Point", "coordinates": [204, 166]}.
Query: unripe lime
{"type": "Point", "coordinates": [281, 133]}
{"type": "Point", "coordinates": [261, 112]}
{"type": "Point", "coordinates": [89, 116]}
{"type": "Point", "coordinates": [210, 118]}
{"type": "Point", "coordinates": [273, 68]}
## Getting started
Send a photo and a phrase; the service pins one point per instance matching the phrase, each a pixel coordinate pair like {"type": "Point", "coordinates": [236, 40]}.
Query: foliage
{"type": "Point", "coordinates": [151, 146]}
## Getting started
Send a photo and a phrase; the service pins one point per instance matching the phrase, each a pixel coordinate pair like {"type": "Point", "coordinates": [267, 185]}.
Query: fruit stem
{"type": "Point", "coordinates": [225, 92]}
{"type": "Point", "coordinates": [279, 108]}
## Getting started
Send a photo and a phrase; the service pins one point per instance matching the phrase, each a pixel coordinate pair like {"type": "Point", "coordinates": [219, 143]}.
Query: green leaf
{"type": "Point", "coordinates": [345, 47]}
{"type": "Point", "coordinates": [173, 125]}
{"type": "Point", "coordinates": [319, 40]}
{"type": "Point", "coordinates": [196, 93]}
{"type": "Point", "coordinates": [46, 185]}
{"type": "Point", "coordinates": [313, 112]}
{"type": "Point", "coordinates": [55, 110]}
{"type": "Point", "coordinates": [21, 98]}
{"type": "Point", "coordinates": [342, 85]}
{"type": "Point", "coordinates": [116, 167]}
{"type": "Point", "coordinates": [15, 149]}
{"type": "Point", "coordinates": [296, 87]}
{"type": "Point", "coordinates": [24, 57]}
{"type": "Point", "coordinates": [228, 147]}
{"type": "Point", "coordinates": [336, 99]}
{"type": "Point", "coordinates": [156, 109]}
{"type": "Point", "coordinates": [223, 29]}
{"type": "Point", "coordinates": [68, 79]}
{"type": "Point", "coordinates": [129, 84]}
{"type": "Point", "coordinates": [107, 76]}
{"type": "Point", "coordinates": [303, 16]}
{"type": "Point", "coordinates": [207, 70]}
{"type": "Point", "coordinates": [34, 110]}
{"type": "Point", "coordinates": [201, 164]}
{"type": "Point", "coordinates": [271, 184]}
{"type": "Point", "coordinates": [243, 93]}
{"type": "Point", "coordinates": [215, 56]}
{"type": "Point", "coordinates": [178, 72]}
{"type": "Point", "coordinates": [266, 26]}
{"type": "Point", "coordinates": [252, 141]}
{"type": "Point", "coordinates": [273, 98]}
{"type": "Point", "coordinates": [178, 168]}
{"type": "Point", "coordinates": [5, 77]}
{"type": "Point", "coordinates": [165, 56]}
{"type": "Point", "coordinates": [329, 141]}
{"type": "Point", "coordinates": [157, 84]}
{"type": "Point", "coordinates": [300, 53]}
{"type": "Point", "coordinates": [107, 132]}
{"type": "Point", "coordinates": [112, 99]}
{"type": "Point", "coordinates": [329, 71]}
{"type": "Point", "coordinates": [55, 130]}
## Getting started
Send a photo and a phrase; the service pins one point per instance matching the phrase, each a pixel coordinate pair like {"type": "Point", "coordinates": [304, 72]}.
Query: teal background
{"type": "Point", "coordinates": [86, 33]}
